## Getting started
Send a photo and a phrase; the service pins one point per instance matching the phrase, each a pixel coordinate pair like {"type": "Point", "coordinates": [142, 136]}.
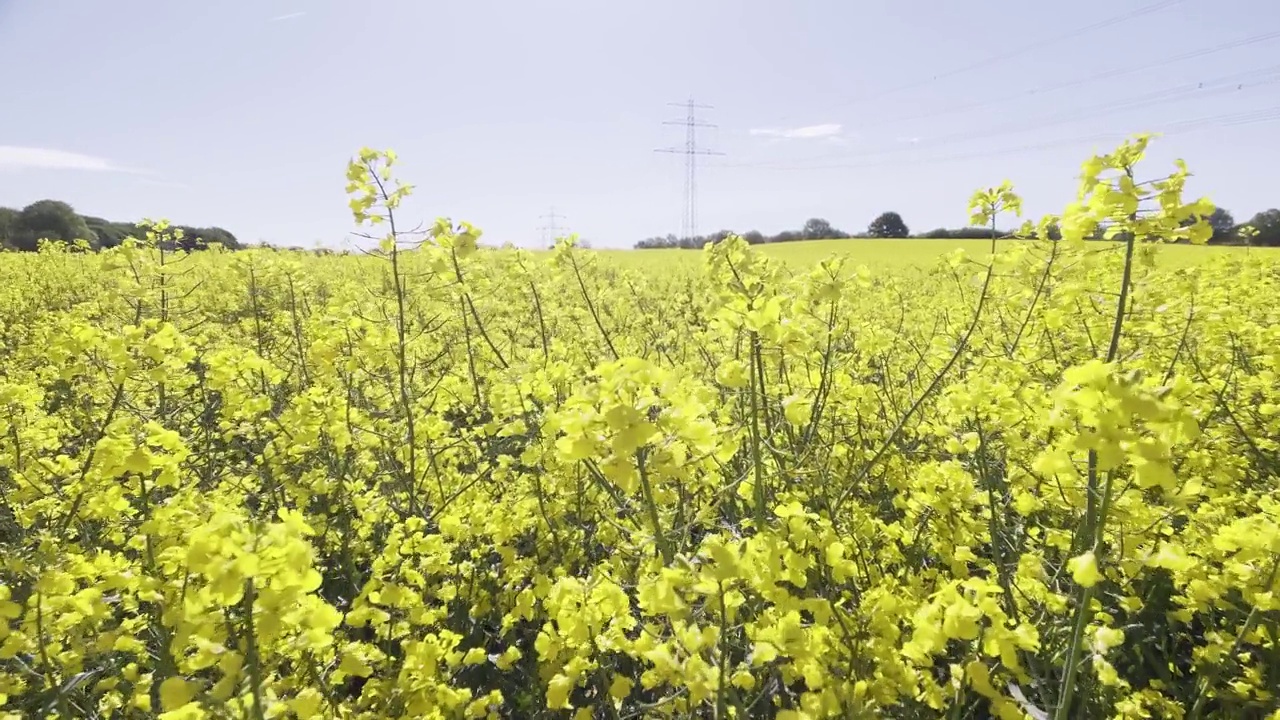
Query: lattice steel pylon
{"type": "Point", "coordinates": [550, 230]}
{"type": "Point", "coordinates": [691, 151]}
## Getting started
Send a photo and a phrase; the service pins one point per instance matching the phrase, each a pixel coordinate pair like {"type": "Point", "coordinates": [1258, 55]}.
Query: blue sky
{"type": "Point", "coordinates": [243, 114]}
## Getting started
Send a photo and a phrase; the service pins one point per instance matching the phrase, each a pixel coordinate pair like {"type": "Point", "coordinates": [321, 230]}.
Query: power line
{"type": "Point", "coordinates": [1181, 127]}
{"type": "Point", "coordinates": [1227, 84]}
{"type": "Point", "coordinates": [1076, 82]}
{"type": "Point", "coordinates": [1015, 52]}
{"type": "Point", "coordinates": [691, 151]}
{"type": "Point", "coordinates": [1070, 34]}
{"type": "Point", "coordinates": [549, 229]}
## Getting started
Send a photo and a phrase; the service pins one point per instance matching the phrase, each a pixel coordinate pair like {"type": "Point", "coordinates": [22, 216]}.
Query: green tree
{"type": "Point", "coordinates": [56, 220]}
{"type": "Point", "coordinates": [1267, 223]}
{"type": "Point", "coordinates": [195, 238]}
{"type": "Point", "coordinates": [888, 225]}
{"type": "Point", "coordinates": [1224, 226]}
{"type": "Point", "coordinates": [110, 234]}
{"type": "Point", "coordinates": [49, 220]}
{"type": "Point", "coordinates": [817, 229]}
{"type": "Point", "coordinates": [220, 235]}
{"type": "Point", "coordinates": [8, 224]}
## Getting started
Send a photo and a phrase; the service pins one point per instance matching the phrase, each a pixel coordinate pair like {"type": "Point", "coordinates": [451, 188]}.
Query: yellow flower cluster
{"type": "Point", "coordinates": [438, 481]}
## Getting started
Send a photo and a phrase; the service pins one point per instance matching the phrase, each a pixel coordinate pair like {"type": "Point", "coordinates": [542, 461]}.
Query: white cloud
{"type": "Point", "coordinates": [288, 16]}
{"type": "Point", "coordinates": [808, 132]}
{"type": "Point", "coordinates": [31, 158]}
{"type": "Point", "coordinates": [909, 140]}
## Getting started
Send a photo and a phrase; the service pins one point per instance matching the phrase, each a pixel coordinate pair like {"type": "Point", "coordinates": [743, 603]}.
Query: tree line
{"type": "Point", "coordinates": [887, 225]}
{"type": "Point", "coordinates": [22, 230]}
{"type": "Point", "coordinates": [1261, 230]}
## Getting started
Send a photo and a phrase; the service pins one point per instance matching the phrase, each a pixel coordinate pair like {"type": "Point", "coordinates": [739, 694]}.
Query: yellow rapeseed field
{"type": "Point", "coordinates": [890, 255]}
{"type": "Point", "coordinates": [444, 482]}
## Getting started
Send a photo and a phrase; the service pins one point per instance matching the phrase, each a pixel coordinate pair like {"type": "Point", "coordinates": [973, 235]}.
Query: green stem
{"type": "Point", "coordinates": [591, 307]}
{"type": "Point", "coordinates": [664, 545]}
{"type": "Point", "coordinates": [1122, 304]}
{"type": "Point", "coordinates": [722, 710]}
{"type": "Point", "coordinates": [756, 460]}
{"type": "Point", "coordinates": [251, 652]}
{"type": "Point", "coordinates": [1096, 506]}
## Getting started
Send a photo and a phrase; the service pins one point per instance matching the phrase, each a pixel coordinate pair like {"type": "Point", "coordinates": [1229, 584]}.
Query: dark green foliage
{"type": "Point", "coordinates": [56, 220]}
{"type": "Point", "coordinates": [218, 235]}
{"type": "Point", "coordinates": [8, 225]}
{"type": "Point", "coordinates": [974, 233]}
{"type": "Point", "coordinates": [194, 238]}
{"type": "Point", "coordinates": [888, 225]}
{"type": "Point", "coordinates": [964, 233]}
{"type": "Point", "coordinates": [820, 229]}
{"type": "Point", "coordinates": [48, 220]}
{"type": "Point", "coordinates": [1224, 226]}
{"type": "Point", "coordinates": [814, 229]}
{"type": "Point", "coordinates": [110, 234]}
{"type": "Point", "coordinates": [1267, 223]}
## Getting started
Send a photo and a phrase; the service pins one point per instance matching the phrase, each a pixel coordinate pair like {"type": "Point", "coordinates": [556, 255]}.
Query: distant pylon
{"type": "Point", "coordinates": [550, 230]}
{"type": "Point", "coordinates": [689, 221]}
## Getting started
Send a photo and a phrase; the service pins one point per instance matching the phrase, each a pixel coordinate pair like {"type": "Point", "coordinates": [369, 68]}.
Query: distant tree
{"type": "Point", "coordinates": [110, 234]}
{"type": "Point", "coordinates": [1054, 232]}
{"type": "Point", "coordinates": [191, 240]}
{"type": "Point", "coordinates": [937, 234]}
{"type": "Point", "coordinates": [8, 224]}
{"type": "Point", "coordinates": [888, 225]}
{"type": "Point", "coordinates": [974, 233]}
{"type": "Point", "coordinates": [813, 229]}
{"type": "Point", "coordinates": [49, 220]}
{"type": "Point", "coordinates": [658, 241]}
{"type": "Point", "coordinates": [817, 229]}
{"type": "Point", "coordinates": [56, 220]}
{"type": "Point", "coordinates": [1224, 226]}
{"type": "Point", "coordinates": [196, 238]}
{"type": "Point", "coordinates": [220, 235]}
{"type": "Point", "coordinates": [1267, 223]}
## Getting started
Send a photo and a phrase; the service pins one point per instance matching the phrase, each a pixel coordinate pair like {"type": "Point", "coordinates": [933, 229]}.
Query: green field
{"type": "Point", "coordinates": [887, 254]}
